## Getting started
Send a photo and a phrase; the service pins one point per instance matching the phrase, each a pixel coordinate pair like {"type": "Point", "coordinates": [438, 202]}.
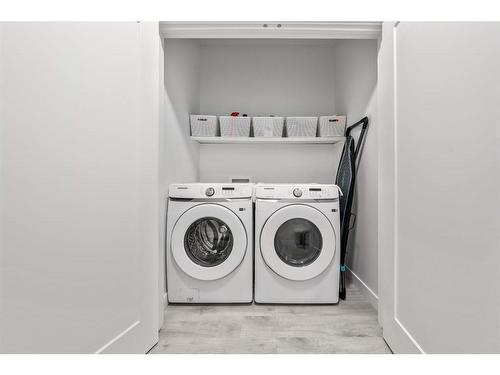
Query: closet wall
{"type": "Point", "coordinates": [355, 88]}
{"type": "Point", "coordinates": [262, 77]}
{"type": "Point", "coordinates": [179, 156]}
{"type": "Point", "coordinates": [182, 87]}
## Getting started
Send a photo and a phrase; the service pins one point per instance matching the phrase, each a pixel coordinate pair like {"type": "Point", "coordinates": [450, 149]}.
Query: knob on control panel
{"type": "Point", "coordinates": [297, 192]}
{"type": "Point", "coordinates": [210, 191]}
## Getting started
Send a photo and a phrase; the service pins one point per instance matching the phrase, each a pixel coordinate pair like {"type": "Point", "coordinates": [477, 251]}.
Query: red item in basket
{"type": "Point", "coordinates": [235, 114]}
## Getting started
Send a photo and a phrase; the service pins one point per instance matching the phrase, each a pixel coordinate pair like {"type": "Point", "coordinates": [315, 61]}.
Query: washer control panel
{"type": "Point", "coordinates": [296, 191]}
{"type": "Point", "coordinates": [210, 191]}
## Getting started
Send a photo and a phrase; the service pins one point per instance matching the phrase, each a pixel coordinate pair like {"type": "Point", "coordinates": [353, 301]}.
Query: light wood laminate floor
{"type": "Point", "coordinates": [349, 327]}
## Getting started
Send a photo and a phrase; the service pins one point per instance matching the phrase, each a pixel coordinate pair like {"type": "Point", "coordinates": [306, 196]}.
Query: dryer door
{"type": "Point", "coordinates": [298, 242]}
{"type": "Point", "coordinates": [208, 242]}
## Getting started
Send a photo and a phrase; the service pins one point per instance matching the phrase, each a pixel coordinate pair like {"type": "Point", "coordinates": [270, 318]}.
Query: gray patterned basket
{"type": "Point", "coordinates": [268, 126]}
{"type": "Point", "coordinates": [301, 126]}
{"type": "Point", "coordinates": [332, 126]}
{"type": "Point", "coordinates": [235, 126]}
{"type": "Point", "coordinates": [203, 125]}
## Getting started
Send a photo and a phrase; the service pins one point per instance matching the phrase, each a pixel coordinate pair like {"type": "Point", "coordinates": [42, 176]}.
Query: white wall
{"type": "Point", "coordinates": [281, 77]}
{"type": "Point", "coordinates": [355, 86]}
{"type": "Point", "coordinates": [182, 88]}
{"type": "Point", "coordinates": [270, 163]}
{"type": "Point", "coordinates": [179, 156]}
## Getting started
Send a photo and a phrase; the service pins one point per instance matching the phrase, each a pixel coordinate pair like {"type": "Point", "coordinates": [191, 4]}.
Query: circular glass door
{"type": "Point", "coordinates": [208, 241]}
{"type": "Point", "coordinates": [298, 242]}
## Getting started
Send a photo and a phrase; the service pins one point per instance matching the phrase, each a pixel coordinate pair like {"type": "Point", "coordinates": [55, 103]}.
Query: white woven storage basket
{"type": "Point", "coordinates": [332, 126]}
{"type": "Point", "coordinates": [268, 126]}
{"type": "Point", "coordinates": [203, 125]}
{"type": "Point", "coordinates": [233, 126]}
{"type": "Point", "coordinates": [301, 126]}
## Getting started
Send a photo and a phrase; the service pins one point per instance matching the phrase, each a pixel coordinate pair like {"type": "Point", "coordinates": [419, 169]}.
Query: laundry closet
{"type": "Point", "coordinates": [269, 71]}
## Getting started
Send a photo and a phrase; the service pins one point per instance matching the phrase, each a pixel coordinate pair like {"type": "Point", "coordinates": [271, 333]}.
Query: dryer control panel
{"type": "Point", "coordinates": [296, 191]}
{"type": "Point", "coordinates": [210, 191]}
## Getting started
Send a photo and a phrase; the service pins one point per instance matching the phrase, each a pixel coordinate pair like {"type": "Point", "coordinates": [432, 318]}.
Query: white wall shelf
{"type": "Point", "coordinates": [263, 140]}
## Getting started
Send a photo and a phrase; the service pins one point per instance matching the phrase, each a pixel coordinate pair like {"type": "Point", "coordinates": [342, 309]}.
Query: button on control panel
{"type": "Point", "coordinates": [209, 191]}
{"type": "Point", "coordinates": [297, 192]}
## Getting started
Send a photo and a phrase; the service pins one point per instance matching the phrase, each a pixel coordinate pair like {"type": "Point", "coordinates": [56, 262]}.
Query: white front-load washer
{"type": "Point", "coordinates": [297, 243]}
{"type": "Point", "coordinates": [209, 243]}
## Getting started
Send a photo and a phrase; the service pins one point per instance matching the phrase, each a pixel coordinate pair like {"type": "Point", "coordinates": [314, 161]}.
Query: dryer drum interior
{"type": "Point", "coordinates": [298, 242]}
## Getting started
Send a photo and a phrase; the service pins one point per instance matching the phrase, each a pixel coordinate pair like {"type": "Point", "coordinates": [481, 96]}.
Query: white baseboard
{"type": "Point", "coordinates": [121, 343]}
{"type": "Point", "coordinates": [165, 301]}
{"type": "Point", "coordinates": [163, 306]}
{"type": "Point", "coordinates": [365, 289]}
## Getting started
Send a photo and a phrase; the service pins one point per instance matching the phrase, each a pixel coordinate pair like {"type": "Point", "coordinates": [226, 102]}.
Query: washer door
{"type": "Point", "coordinates": [208, 242]}
{"type": "Point", "coordinates": [297, 242]}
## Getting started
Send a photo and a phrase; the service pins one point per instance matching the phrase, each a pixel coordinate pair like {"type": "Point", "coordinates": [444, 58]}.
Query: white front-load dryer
{"type": "Point", "coordinates": [297, 243]}
{"type": "Point", "coordinates": [209, 243]}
